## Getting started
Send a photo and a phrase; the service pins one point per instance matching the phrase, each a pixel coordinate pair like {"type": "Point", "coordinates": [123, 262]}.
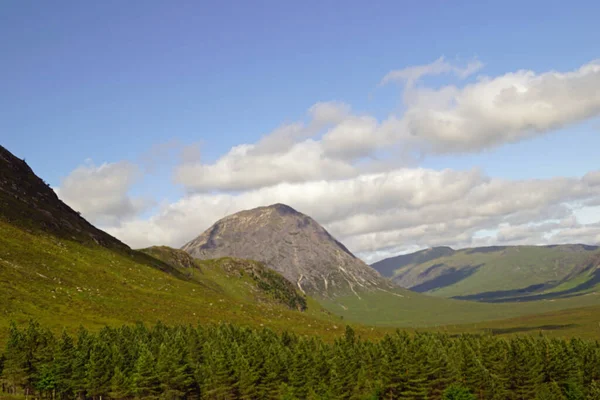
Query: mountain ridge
{"type": "Point", "coordinates": [498, 273]}
{"type": "Point", "coordinates": [29, 202]}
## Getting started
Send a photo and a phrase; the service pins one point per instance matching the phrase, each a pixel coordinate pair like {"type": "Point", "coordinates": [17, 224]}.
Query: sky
{"type": "Point", "coordinates": [396, 125]}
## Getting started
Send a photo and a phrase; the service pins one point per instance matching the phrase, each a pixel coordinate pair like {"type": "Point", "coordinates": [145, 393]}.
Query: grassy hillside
{"type": "Point", "coordinates": [497, 274]}
{"type": "Point", "coordinates": [66, 283]}
{"type": "Point", "coordinates": [246, 280]}
{"type": "Point", "coordinates": [389, 266]}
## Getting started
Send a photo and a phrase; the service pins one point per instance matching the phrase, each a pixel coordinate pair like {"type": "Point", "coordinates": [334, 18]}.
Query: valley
{"type": "Point", "coordinates": [56, 269]}
{"type": "Point", "coordinates": [275, 271]}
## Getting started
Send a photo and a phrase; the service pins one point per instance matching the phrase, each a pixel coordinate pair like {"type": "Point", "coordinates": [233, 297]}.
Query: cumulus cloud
{"type": "Point", "coordinates": [505, 109]}
{"type": "Point", "coordinates": [391, 212]}
{"type": "Point", "coordinates": [101, 193]}
{"type": "Point", "coordinates": [336, 143]}
{"type": "Point", "coordinates": [355, 173]}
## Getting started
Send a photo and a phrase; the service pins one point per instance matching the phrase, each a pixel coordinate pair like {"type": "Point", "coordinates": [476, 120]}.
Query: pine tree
{"type": "Point", "coordinates": [458, 392]}
{"type": "Point", "coordinates": [593, 392]}
{"type": "Point", "coordinates": [219, 379]}
{"type": "Point", "coordinates": [549, 391]}
{"type": "Point", "coordinates": [80, 362]}
{"type": "Point", "coordinates": [173, 370]}
{"type": "Point", "coordinates": [145, 382]}
{"type": "Point", "coordinates": [15, 360]}
{"type": "Point", "coordinates": [524, 369]}
{"type": "Point", "coordinates": [63, 366]}
{"type": "Point", "coordinates": [120, 386]}
{"type": "Point", "coordinates": [99, 370]}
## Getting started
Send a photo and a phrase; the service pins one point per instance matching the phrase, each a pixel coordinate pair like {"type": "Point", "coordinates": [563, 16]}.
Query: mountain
{"type": "Point", "coordinates": [292, 244]}
{"type": "Point", "coordinates": [499, 273]}
{"type": "Point", "coordinates": [389, 266]}
{"type": "Point", "coordinates": [29, 202]}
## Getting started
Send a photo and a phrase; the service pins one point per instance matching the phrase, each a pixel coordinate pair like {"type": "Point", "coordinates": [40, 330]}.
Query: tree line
{"type": "Point", "coordinates": [231, 362]}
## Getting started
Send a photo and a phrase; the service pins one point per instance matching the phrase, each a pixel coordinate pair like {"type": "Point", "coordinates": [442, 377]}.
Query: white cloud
{"type": "Point", "coordinates": [100, 193]}
{"type": "Point", "coordinates": [352, 172]}
{"type": "Point", "coordinates": [505, 109]}
{"type": "Point", "coordinates": [243, 168]}
{"type": "Point", "coordinates": [389, 212]}
{"type": "Point", "coordinates": [440, 66]}
{"type": "Point", "coordinates": [337, 144]}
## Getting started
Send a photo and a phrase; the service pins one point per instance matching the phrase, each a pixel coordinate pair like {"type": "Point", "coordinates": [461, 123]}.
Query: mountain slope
{"type": "Point", "coordinates": [265, 284]}
{"type": "Point", "coordinates": [389, 266]}
{"type": "Point", "coordinates": [27, 201]}
{"type": "Point", "coordinates": [504, 273]}
{"type": "Point", "coordinates": [292, 244]}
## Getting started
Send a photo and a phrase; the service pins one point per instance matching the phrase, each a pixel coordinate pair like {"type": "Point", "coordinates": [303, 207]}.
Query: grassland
{"type": "Point", "coordinates": [581, 322]}
{"type": "Point", "coordinates": [385, 309]}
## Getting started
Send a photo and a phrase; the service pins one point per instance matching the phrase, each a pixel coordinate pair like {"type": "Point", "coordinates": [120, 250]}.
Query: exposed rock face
{"type": "Point", "coordinates": [27, 201]}
{"type": "Point", "coordinates": [292, 244]}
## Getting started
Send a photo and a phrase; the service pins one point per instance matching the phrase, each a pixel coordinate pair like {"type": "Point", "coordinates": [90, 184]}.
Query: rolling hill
{"type": "Point", "coordinates": [499, 274]}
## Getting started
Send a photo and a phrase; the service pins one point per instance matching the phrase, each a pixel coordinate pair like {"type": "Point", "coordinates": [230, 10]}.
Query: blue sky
{"type": "Point", "coordinates": [114, 81]}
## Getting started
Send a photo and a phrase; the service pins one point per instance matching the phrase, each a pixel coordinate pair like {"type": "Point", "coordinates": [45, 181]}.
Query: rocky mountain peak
{"type": "Point", "coordinates": [292, 244]}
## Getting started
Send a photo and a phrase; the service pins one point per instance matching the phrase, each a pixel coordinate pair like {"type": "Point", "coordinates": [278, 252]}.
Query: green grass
{"type": "Point", "coordinates": [418, 310]}
{"type": "Point", "coordinates": [581, 322]}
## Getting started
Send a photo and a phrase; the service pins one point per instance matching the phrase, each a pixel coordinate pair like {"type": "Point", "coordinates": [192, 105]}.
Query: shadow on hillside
{"type": "Point", "coordinates": [448, 277]}
{"type": "Point", "coordinates": [528, 293]}
{"type": "Point", "coordinates": [518, 329]}
{"type": "Point", "coordinates": [489, 249]}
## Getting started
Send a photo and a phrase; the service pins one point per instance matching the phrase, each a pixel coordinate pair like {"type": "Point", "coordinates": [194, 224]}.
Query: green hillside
{"type": "Point", "coordinates": [65, 283]}
{"type": "Point", "coordinates": [501, 274]}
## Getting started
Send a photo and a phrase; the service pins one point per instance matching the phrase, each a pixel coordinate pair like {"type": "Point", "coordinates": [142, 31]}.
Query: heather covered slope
{"type": "Point", "coordinates": [292, 244]}
{"type": "Point", "coordinates": [503, 273]}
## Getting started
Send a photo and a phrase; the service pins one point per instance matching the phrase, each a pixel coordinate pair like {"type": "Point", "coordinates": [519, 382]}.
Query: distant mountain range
{"type": "Point", "coordinates": [498, 273]}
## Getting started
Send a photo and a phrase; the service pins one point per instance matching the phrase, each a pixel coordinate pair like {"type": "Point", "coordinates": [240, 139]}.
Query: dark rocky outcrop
{"type": "Point", "coordinates": [29, 202]}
